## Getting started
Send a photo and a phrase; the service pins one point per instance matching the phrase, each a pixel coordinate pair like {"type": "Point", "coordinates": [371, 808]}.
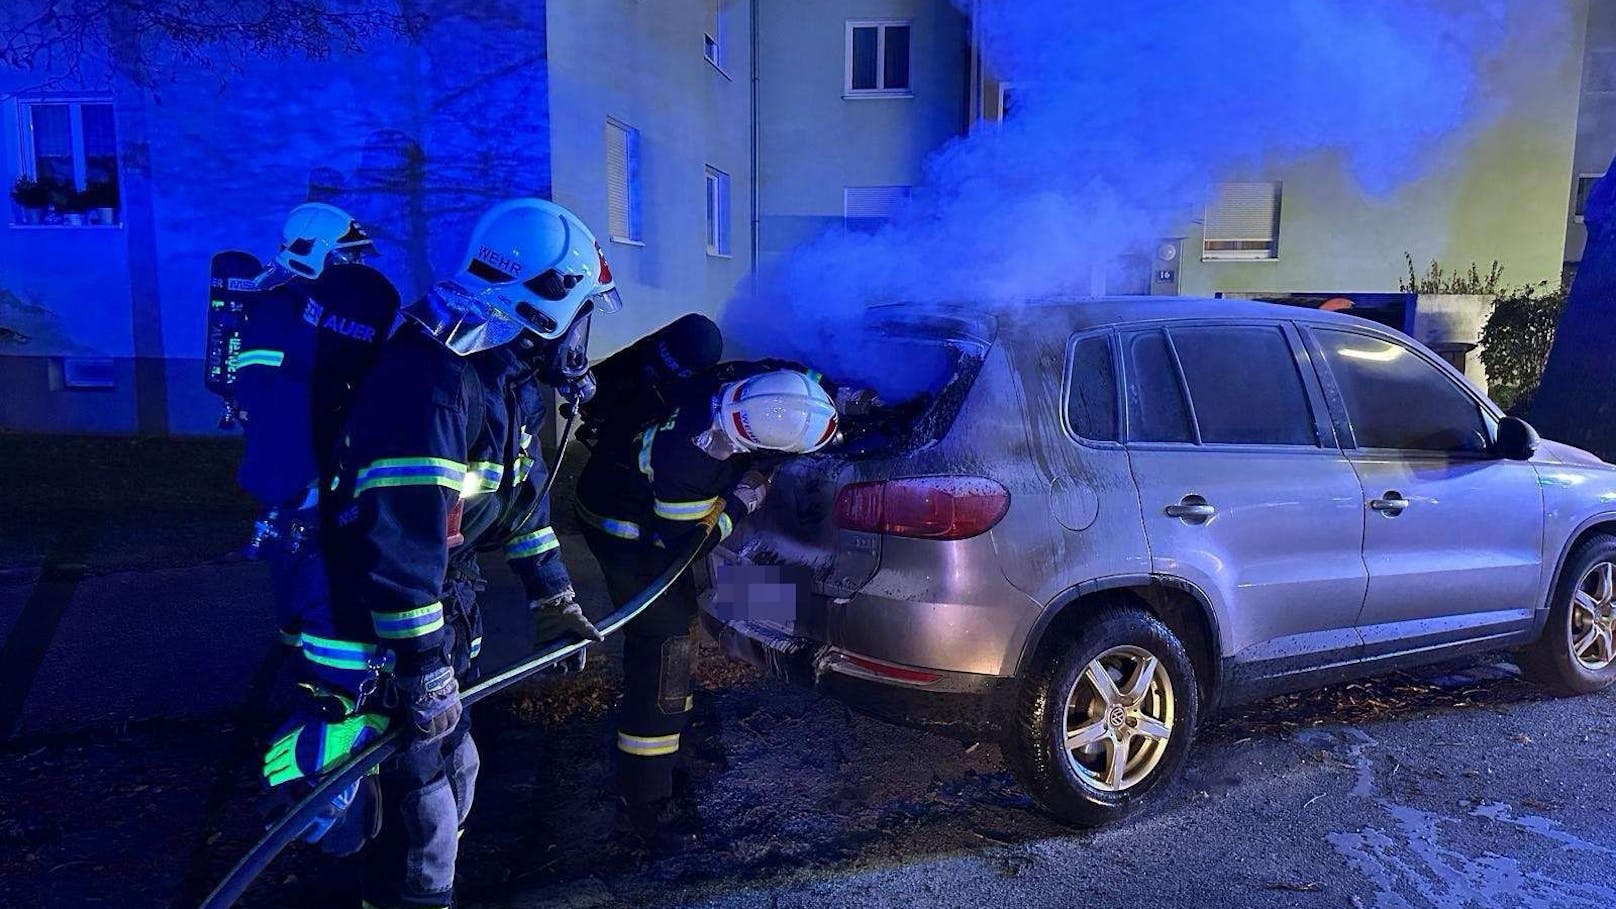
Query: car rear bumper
{"type": "Point", "coordinates": [961, 704]}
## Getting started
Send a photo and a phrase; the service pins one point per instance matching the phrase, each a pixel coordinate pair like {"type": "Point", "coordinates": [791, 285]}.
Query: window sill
{"type": "Point", "coordinates": [1225, 259]}
{"type": "Point", "coordinates": [66, 226]}
{"type": "Point", "coordinates": [876, 95]}
{"type": "Point", "coordinates": [624, 241]}
{"type": "Point", "coordinates": [715, 254]}
{"type": "Point", "coordinates": [721, 71]}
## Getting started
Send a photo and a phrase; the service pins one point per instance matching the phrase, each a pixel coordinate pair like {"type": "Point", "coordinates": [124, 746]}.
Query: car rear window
{"type": "Point", "coordinates": [1244, 386]}
{"type": "Point", "coordinates": [1156, 411]}
{"type": "Point", "coordinates": [1091, 390]}
{"type": "Point", "coordinates": [941, 354]}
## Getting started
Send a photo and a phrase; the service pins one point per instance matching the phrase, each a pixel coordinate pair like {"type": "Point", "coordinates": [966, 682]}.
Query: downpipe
{"type": "Point", "coordinates": [289, 827]}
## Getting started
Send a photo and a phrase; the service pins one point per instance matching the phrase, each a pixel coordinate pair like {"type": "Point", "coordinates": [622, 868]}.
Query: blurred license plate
{"type": "Point", "coordinates": [770, 594]}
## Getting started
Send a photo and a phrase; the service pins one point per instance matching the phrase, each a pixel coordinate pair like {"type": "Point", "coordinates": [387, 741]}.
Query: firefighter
{"type": "Point", "coordinates": [438, 462]}
{"type": "Point", "coordinates": [640, 499]}
{"type": "Point", "coordinates": [634, 381]}
{"type": "Point", "coordinates": [311, 328]}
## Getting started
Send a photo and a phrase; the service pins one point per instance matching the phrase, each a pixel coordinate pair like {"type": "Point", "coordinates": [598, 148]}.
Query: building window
{"type": "Point", "coordinates": [1585, 185]}
{"type": "Point", "coordinates": [717, 212]}
{"type": "Point", "coordinates": [878, 58]}
{"type": "Point", "coordinates": [69, 162]}
{"type": "Point", "coordinates": [622, 182]}
{"type": "Point", "coordinates": [866, 208]}
{"type": "Point", "coordinates": [1007, 100]}
{"type": "Point", "coordinates": [1242, 222]}
{"type": "Point", "coordinates": [713, 39]}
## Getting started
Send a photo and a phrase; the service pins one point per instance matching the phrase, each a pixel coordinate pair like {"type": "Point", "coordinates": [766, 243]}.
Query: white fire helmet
{"type": "Point", "coordinates": [533, 263]}
{"type": "Point", "coordinates": [783, 410]}
{"type": "Point", "coordinates": [316, 235]}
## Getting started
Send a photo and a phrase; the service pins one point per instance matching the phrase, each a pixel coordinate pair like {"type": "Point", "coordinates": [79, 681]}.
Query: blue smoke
{"type": "Point", "coordinates": [1125, 119]}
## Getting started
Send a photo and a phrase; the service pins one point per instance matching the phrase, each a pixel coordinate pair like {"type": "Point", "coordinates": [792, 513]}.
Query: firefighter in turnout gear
{"type": "Point", "coordinates": [634, 381]}
{"type": "Point", "coordinates": [312, 324]}
{"type": "Point", "coordinates": [640, 498]}
{"type": "Point", "coordinates": [439, 461]}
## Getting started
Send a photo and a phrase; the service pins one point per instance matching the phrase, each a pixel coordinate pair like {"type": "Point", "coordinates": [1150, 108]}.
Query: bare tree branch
{"type": "Point", "coordinates": [150, 42]}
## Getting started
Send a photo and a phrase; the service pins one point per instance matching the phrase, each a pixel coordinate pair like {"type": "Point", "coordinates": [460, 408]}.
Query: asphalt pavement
{"type": "Point", "coordinates": [140, 676]}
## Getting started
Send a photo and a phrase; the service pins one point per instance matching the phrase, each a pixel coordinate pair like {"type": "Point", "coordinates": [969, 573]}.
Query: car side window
{"type": "Point", "coordinates": [1244, 386]}
{"type": "Point", "coordinates": [1156, 410]}
{"type": "Point", "coordinates": [1396, 399]}
{"type": "Point", "coordinates": [1091, 390]}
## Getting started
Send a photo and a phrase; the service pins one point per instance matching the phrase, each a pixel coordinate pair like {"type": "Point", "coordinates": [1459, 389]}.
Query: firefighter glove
{"type": "Point", "coordinates": [560, 618]}
{"type": "Point", "coordinates": [752, 490]}
{"type": "Point", "coordinates": [323, 733]}
{"type": "Point", "coordinates": [319, 736]}
{"type": "Point", "coordinates": [431, 702]}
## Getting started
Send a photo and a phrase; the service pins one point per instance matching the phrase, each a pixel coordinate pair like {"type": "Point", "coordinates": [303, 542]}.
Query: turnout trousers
{"type": "Point", "coordinates": [658, 656]}
{"type": "Point", "coordinates": [427, 789]}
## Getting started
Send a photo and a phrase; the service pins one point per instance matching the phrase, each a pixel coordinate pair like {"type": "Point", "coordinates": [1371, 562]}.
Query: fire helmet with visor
{"type": "Point", "coordinates": [531, 266]}
{"type": "Point", "coordinates": [784, 410]}
{"type": "Point", "coordinates": [317, 234]}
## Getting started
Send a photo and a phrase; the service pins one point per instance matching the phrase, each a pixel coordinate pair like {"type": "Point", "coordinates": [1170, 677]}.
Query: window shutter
{"type": "Point", "coordinates": [866, 203]}
{"type": "Point", "coordinates": [619, 208]}
{"type": "Point", "coordinates": [1242, 221]}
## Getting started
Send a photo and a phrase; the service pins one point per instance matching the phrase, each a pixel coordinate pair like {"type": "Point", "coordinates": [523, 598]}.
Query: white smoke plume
{"type": "Point", "coordinates": [1127, 115]}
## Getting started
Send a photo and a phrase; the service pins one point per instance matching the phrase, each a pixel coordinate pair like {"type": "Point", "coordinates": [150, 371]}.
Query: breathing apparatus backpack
{"type": "Point", "coordinates": [287, 355]}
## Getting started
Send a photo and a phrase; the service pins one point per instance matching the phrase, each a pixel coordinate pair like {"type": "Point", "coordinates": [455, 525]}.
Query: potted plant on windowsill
{"type": "Point", "coordinates": [100, 198]}
{"type": "Point", "coordinates": [68, 203]}
{"type": "Point", "coordinates": [32, 197]}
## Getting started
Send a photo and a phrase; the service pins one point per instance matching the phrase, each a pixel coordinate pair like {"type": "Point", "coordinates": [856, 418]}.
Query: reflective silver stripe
{"type": "Point", "coordinates": [647, 439]}
{"type": "Point", "coordinates": [647, 745]}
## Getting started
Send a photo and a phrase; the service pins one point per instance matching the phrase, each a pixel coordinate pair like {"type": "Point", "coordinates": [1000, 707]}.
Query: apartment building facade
{"type": "Point", "coordinates": [701, 137]}
{"type": "Point", "coordinates": [636, 115]}
{"type": "Point", "coordinates": [1596, 122]}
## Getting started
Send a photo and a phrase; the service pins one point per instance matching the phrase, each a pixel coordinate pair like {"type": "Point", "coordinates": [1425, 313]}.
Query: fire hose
{"type": "Point", "coordinates": [292, 824]}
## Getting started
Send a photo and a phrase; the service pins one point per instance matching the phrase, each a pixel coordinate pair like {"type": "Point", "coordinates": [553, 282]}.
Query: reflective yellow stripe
{"type": "Point", "coordinates": [684, 511]}
{"type": "Point", "coordinates": [647, 745]}
{"type": "Point", "coordinates": [481, 477]}
{"type": "Point", "coordinates": [411, 623]}
{"type": "Point", "coordinates": [246, 358]}
{"type": "Point", "coordinates": [725, 526]}
{"type": "Point", "coordinates": [623, 530]}
{"type": "Point", "coordinates": [531, 544]}
{"type": "Point", "coordinates": [391, 472]}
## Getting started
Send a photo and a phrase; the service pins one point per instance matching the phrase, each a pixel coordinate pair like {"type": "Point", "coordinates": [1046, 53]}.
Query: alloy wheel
{"type": "Point", "coordinates": [1592, 629]}
{"type": "Point", "coordinates": [1119, 717]}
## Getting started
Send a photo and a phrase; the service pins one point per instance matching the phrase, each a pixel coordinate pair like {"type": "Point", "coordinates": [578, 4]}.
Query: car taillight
{"type": "Point", "coordinates": [930, 508]}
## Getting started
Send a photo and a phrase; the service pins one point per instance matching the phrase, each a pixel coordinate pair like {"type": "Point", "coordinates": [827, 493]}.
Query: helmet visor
{"type": "Point", "coordinates": [462, 322]}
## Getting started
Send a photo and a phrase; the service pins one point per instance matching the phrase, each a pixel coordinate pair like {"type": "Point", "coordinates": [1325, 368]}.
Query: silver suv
{"type": "Point", "coordinates": [1099, 521]}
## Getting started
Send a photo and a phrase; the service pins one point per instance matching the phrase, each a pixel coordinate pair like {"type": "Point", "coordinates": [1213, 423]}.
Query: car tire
{"type": "Point", "coordinates": [1584, 598]}
{"type": "Point", "coordinates": [1060, 698]}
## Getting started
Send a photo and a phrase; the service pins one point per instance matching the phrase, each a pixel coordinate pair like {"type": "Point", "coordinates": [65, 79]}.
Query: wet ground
{"type": "Point", "coordinates": [138, 681]}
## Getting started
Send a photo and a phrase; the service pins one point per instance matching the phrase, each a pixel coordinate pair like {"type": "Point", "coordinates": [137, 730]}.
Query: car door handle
{"type": "Point", "coordinates": [1391, 504]}
{"type": "Point", "coordinates": [1191, 509]}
